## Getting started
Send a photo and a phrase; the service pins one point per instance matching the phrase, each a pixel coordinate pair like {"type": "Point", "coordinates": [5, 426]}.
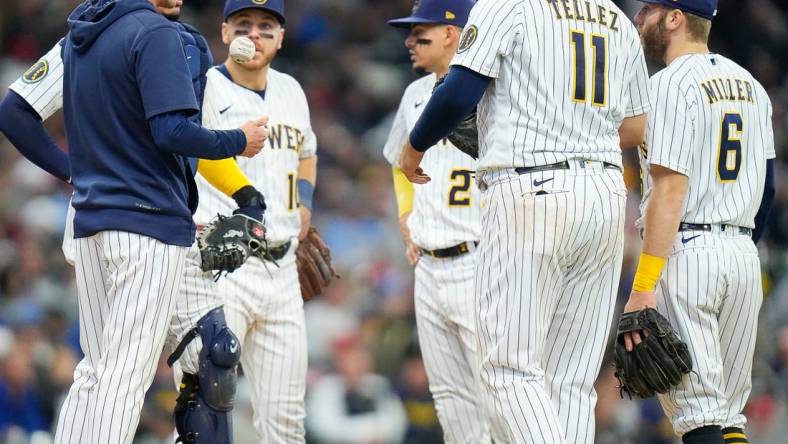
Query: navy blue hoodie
{"type": "Point", "coordinates": [124, 64]}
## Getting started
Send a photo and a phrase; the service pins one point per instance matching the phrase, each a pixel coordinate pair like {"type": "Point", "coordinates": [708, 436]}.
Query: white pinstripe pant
{"type": "Point", "coordinates": [547, 275]}
{"type": "Point", "coordinates": [446, 320]}
{"type": "Point", "coordinates": [199, 294]}
{"type": "Point", "coordinates": [127, 285]}
{"type": "Point", "coordinates": [711, 292]}
{"type": "Point", "coordinates": [265, 310]}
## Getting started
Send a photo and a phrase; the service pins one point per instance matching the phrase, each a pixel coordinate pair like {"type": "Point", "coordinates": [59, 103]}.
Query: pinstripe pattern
{"type": "Point", "coordinates": [265, 310]}
{"type": "Point", "coordinates": [46, 95]}
{"type": "Point", "coordinates": [546, 280]}
{"type": "Point", "coordinates": [444, 298]}
{"type": "Point", "coordinates": [446, 320]}
{"type": "Point", "coordinates": [434, 223]}
{"type": "Point", "coordinates": [711, 291]}
{"type": "Point", "coordinates": [127, 286]}
{"type": "Point", "coordinates": [527, 116]}
{"type": "Point", "coordinates": [684, 135]}
{"type": "Point", "coordinates": [285, 104]}
{"type": "Point", "coordinates": [199, 294]}
{"type": "Point", "coordinates": [263, 303]}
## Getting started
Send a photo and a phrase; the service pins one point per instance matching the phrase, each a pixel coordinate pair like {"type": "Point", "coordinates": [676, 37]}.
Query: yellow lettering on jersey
{"type": "Point", "coordinates": [724, 90]}
{"type": "Point", "coordinates": [573, 10]}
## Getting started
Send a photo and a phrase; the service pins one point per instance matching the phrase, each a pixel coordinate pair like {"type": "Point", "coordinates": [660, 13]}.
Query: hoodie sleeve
{"type": "Point", "coordinates": [162, 73]}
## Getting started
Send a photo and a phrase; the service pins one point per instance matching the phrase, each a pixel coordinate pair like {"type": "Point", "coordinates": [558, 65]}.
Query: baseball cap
{"type": "Point", "coordinates": [449, 12]}
{"type": "Point", "coordinates": [702, 8]}
{"type": "Point", "coordinates": [275, 7]}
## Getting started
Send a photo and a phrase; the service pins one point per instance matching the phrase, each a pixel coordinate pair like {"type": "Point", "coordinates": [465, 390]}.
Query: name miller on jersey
{"type": "Point", "coordinates": [723, 89]}
{"type": "Point", "coordinates": [573, 10]}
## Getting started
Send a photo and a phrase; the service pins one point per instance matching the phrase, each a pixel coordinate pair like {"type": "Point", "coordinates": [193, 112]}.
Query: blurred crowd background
{"type": "Point", "coordinates": [361, 334]}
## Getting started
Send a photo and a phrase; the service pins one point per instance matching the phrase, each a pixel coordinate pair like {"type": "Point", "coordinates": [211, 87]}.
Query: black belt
{"type": "Point", "coordinates": [559, 166]}
{"type": "Point", "coordinates": [277, 253]}
{"type": "Point", "coordinates": [684, 226]}
{"type": "Point", "coordinates": [454, 251]}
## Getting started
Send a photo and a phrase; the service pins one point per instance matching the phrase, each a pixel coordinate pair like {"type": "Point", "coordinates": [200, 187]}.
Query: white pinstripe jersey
{"type": "Point", "coordinates": [42, 85]}
{"type": "Point", "coordinates": [445, 210]}
{"type": "Point", "coordinates": [274, 172]}
{"type": "Point", "coordinates": [565, 76]}
{"type": "Point", "coordinates": [712, 122]}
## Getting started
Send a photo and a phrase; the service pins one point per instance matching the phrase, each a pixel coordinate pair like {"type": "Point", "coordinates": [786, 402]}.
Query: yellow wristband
{"type": "Point", "coordinates": [647, 275]}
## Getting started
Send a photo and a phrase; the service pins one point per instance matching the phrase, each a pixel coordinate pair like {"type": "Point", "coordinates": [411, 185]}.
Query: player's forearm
{"type": "Point", "coordinates": [177, 133]}
{"type": "Point", "coordinates": [632, 131]}
{"type": "Point", "coordinates": [449, 104]}
{"type": "Point", "coordinates": [307, 176]}
{"type": "Point", "coordinates": [664, 211]}
{"type": "Point", "coordinates": [404, 191]}
{"type": "Point", "coordinates": [225, 175]}
{"type": "Point", "coordinates": [662, 219]}
{"type": "Point", "coordinates": [24, 129]}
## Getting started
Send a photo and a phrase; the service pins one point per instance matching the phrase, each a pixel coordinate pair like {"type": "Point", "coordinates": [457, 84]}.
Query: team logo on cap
{"type": "Point", "coordinates": [415, 6]}
{"type": "Point", "coordinates": [259, 2]}
{"type": "Point", "coordinates": [36, 72]}
{"type": "Point", "coordinates": [450, 15]}
{"type": "Point", "coordinates": [468, 38]}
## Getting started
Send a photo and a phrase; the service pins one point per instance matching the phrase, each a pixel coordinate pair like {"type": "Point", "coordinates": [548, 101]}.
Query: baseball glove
{"type": "Point", "coordinates": [315, 270]}
{"type": "Point", "coordinates": [227, 242]}
{"type": "Point", "coordinates": [657, 363]}
{"type": "Point", "coordinates": [466, 136]}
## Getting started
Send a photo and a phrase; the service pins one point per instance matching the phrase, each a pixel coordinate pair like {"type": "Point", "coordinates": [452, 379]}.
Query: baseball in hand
{"type": "Point", "coordinates": [242, 49]}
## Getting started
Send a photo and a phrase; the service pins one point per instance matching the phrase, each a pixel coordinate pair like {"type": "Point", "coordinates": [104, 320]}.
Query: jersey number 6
{"type": "Point", "coordinates": [729, 155]}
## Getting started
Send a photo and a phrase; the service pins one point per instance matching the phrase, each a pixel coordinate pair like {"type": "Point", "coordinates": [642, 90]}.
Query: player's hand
{"type": "Point", "coordinates": [412, 252]}
{"type": "Point", "coordinates": [637, 301]}
{"type": "Point", "coordinates": [256, 133]}
{"type": "Point", "coordinates": [409, 162]}
{"type": "Point", "coordinates": [306, 221]}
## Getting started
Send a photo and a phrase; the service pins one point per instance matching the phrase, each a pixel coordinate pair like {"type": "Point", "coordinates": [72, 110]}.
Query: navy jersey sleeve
{"type": "Point", "coordinates": [162, 72]}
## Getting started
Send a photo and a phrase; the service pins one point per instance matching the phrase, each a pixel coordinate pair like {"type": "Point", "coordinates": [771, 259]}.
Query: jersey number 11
{"type": "Point", "coordinates": [599, 68]}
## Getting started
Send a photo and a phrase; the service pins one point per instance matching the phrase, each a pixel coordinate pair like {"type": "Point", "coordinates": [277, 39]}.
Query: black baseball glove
{"type": "Point", "coordinates": [227, 242]}
{"type": "Point", "coordinates": [657, 363]}
{"type": "Point", "coordinates": [466, 136]}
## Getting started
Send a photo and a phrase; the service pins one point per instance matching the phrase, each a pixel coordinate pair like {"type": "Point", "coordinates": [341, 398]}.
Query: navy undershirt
{"type": "Point", "coordinates": [450, 103]}
{"type": "Point", "coordinates": [22, 125]}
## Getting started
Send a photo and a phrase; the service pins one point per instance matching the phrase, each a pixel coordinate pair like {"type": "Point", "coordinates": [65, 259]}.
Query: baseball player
{"type": "Point", "coordinates": [440, 227]}
{"type": "Point", "coordinates": [36, 96]}
{"type": "Point", "coordinates": [264, 306]}
{"type": "Point", "coordinates": [707, 160]}
{"type": "Point", "coordinates": [128, 123]}
{"type": "Point", "coordinates": [560, 87]}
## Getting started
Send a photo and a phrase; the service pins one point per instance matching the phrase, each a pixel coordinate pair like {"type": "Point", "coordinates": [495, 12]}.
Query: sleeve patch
{"type": "Point", "coordinates": [36, 72]}
{"type": "Point", "coordinates": [468, 38]}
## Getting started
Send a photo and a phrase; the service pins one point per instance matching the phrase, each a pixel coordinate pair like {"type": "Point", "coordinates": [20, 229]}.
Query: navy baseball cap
{"type": "Point", "coordinates": [275, 7]}
{"type": "Point", "coordinates": [449, 12]}
{"type": "Point", "coordinates": [702, 8]}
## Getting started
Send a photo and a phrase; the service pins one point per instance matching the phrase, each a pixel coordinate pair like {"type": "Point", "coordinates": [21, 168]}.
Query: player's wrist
{"type": "Point", "coordinates": [648, 273]}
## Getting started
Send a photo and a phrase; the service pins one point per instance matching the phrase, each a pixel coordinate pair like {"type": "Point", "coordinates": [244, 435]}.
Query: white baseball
{"type": "Point", "coordinates": [242, 49]}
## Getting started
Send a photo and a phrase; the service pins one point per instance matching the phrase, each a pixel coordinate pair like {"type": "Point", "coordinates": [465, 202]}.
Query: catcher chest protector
{"type": "Point", "coordinates": [202, 411]}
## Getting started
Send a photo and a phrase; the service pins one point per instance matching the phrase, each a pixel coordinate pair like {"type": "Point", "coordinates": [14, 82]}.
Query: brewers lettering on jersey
{"type": "Point", "coordinates": [264, 305]}
{"type": "Point", "coordinates": [705, 167]}
{"type": "Point", "coordinates": [566, 88]}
